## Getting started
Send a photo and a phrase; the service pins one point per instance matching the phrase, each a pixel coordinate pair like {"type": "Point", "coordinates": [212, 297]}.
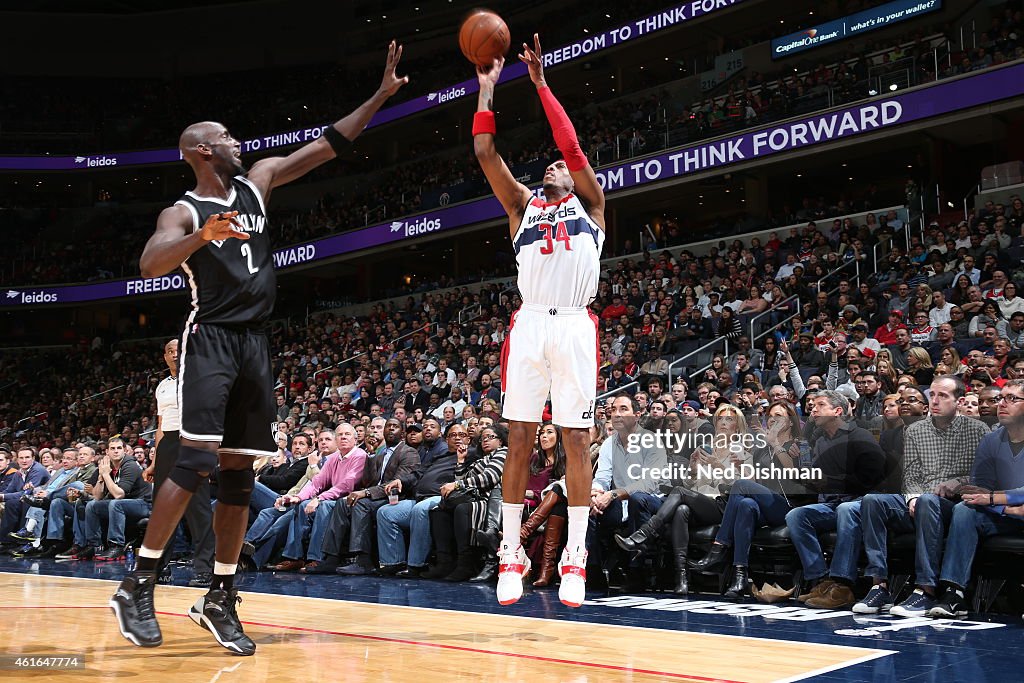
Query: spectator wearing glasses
{"type": "Point", "coordinates": [997, 480]}
{"type": "Point", "coordinates": [960, 322]}
{"type": "Point", "coordinates": [455, 521]}
{"type": "Point", "coordinates": [922, 332]}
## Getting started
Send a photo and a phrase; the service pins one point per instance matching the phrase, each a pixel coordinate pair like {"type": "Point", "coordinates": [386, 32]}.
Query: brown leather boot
{"type": "Point", "coordinates": [538, 516]}
{"type": "Point", "coordinates": [552, 544]}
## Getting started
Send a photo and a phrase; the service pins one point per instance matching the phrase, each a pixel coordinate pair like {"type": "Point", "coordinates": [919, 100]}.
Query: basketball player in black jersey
{"type": "Point", "coordinates": [218, 235]}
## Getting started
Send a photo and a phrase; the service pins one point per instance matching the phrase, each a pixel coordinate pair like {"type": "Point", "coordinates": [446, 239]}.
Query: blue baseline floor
{"type": "Point", "coordinates": [987, 649]}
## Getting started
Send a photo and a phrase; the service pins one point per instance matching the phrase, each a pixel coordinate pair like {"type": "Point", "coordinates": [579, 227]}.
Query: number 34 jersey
{"type": "Point", "coordinates": [558, 250]}
{"type": "Point", "coordinates": [232, 281]}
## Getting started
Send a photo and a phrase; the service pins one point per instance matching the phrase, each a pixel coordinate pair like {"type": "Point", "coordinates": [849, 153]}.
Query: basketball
{"type": "Point", "coordinates": [483, 36]}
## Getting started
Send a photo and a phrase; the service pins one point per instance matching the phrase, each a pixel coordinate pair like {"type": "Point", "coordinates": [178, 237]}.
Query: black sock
{"type": "Point", "coordinates": [146, 564]}
{"type": "Point", "coordinates": [224, 582]}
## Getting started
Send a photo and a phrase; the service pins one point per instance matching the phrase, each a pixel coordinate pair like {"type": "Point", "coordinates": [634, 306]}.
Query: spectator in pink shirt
{"type": "Point", "coordinates": [338, 476]}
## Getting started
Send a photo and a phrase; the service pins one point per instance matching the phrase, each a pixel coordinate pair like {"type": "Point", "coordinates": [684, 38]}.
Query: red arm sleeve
{"type": "Point", "coordinates": [561, 127]}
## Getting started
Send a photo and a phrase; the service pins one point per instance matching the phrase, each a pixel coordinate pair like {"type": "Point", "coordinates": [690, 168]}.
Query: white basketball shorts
{"type": "Point", "coordinates": [550, 350]}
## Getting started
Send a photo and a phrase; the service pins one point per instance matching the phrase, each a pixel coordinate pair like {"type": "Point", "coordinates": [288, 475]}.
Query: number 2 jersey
{"type": "Point", "coordinates": [558, 250]}
{"type": "Point", "coordinates": [232, 281]}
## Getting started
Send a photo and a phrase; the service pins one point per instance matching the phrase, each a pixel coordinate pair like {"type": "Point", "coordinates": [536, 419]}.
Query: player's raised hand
{"type": "Point", "coordinates": [221, 226]}
{"type": "Point", "coordinates": [531, 57]}
{"type": "Point", "coordinates": [390, 84]}
{"type": "Point", "coordinates": [488, 75]}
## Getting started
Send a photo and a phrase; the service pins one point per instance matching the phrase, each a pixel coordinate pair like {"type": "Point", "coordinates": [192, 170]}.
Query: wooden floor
{"type": "Point", "coordinates": [311, 639]}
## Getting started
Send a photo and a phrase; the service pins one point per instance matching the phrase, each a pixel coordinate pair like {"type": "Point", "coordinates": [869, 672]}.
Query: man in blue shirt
{"type": "Point", "coordinates": [30, 475]}
{"type": "Point", "coordinates": [998, 466]}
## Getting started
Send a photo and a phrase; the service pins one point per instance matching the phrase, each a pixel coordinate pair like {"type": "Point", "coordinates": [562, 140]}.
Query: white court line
{"type": "Point", "coordinates": [836, 667]}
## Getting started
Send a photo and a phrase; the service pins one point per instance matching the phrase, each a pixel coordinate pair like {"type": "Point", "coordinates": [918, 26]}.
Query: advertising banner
{"type": "Point", "coordinates": [513, 70]}
{"type": "Point", "coordinates": [855, 24]}
{"type": "Point", "coordinates": [847, 122]}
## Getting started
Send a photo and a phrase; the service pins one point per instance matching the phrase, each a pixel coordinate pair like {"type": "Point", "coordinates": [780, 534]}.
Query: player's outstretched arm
{"type": "Point", "coordinates": [175, 240]}
{"type": "Point", "coordinates": [267, 174]}
{"type": "Point", "coordinates": [512, 194]}
{"type": "Point", "coordinates": [583, 176]}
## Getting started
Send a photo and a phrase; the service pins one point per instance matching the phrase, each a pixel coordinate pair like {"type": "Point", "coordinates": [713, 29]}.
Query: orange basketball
{"type": "Point", "coordinates": [483, 36]}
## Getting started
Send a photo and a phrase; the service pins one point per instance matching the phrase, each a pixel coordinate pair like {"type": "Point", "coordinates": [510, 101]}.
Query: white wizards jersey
{"type": "Point", "coordinates": [558, 250]}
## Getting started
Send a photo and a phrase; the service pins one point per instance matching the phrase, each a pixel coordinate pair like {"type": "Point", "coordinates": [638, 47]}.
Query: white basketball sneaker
{"type": "Point", "coordinates": [573, 570]}
{"type": "Point", "coordinates": [513, 568]}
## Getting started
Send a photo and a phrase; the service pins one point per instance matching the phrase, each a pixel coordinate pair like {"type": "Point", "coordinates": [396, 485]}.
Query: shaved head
{"type": "Point", "coordinates": [197, 133]}
{"type": "Point", "coordinates": [206, 141]}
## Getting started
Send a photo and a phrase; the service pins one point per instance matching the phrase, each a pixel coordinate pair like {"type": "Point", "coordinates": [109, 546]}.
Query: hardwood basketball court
{"type": "Point", "coordinates": [314, 639]}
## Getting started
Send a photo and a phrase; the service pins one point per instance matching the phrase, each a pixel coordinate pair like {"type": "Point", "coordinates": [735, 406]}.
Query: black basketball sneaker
{"type": "Point", "coordinates": [215, 612]}
{"type": "Point", "coordinates": [133, 607]}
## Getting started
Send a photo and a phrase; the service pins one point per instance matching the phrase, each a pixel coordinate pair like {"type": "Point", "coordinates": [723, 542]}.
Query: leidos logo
{"type": "Point", "coordinates": [418, 227]}
{"type": "Point", "coordinates": [33, 297]}
{"type": "Point", "coordinates": [446, 95]}
{"type": "Point", "coordinates": [97, 161]}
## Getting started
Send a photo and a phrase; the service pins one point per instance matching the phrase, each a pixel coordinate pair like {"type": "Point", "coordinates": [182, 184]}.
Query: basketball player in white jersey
{"type": "Point", "coordinates": [551, 344]}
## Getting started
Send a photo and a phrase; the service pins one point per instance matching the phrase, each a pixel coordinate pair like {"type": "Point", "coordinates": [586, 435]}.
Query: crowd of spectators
{"type": "Point", "coordinates": [147, 112]}
{"type": "Point", "coordinates": [909, 355]}
{"type": "Point", "coordinates": [618, 129]}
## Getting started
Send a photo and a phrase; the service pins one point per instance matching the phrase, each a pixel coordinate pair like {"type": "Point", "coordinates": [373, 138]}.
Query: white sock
{"type": "Point", "coordinates": [511, 523]}
{"type": "Point", "coordinates": [150, 553]}
{"type": "Point", "coordinates": [579, 518]}
{"type": "Point", "coordinates": [30, 524]}
{"type": "Point", "coordinates": [222, 569]}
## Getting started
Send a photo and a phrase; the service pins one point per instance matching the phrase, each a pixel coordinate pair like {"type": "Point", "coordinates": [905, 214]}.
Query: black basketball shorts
{"type": "Point", "coordinates": [225, 389]}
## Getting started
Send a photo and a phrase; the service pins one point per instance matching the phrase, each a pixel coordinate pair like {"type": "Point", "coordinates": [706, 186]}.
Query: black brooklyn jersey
{"type": "Point", "coordinates": [232, 281]}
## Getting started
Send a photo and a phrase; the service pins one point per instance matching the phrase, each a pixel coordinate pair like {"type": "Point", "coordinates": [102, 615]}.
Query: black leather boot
{"type": "Point", "coordinates": [714, 562]}
{"type": "Point", "coordinates": [682, 586]}
{"type": "Point", "coordinates": [641, 536]}
{"type": "Point", "coordinates": [740, 586]}
{"type": "Point", "coordinates": [489, 570]}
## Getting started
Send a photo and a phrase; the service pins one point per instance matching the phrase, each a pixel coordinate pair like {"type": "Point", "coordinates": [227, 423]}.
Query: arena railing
{"type": "Point", "coordinates": [695, 354]}
{"type": "Point", "coordinates": [613, 392]}
{"type": "Point", "coordinates": [697, 247]}
{"type": "Point", "coordinates": [774, 308]}
{"type": "Point", "coordinates": [342, 363]}
{"type": "Point", "coordinates": [845, 266]}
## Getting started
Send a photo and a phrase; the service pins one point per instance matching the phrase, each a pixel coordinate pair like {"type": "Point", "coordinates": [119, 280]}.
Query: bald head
{"type": "Point", "coordinates": [203, 132]}
{"type": "Point", "coordinates": [209, 142]}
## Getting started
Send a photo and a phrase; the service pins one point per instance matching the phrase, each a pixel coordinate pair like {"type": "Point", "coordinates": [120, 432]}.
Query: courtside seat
{"type": "Point", "coordinates": [777, 536]}
{"type": "Point", "coordinates": [1012, 544]}
{"type": "Point", "coordinates": [997, 561]}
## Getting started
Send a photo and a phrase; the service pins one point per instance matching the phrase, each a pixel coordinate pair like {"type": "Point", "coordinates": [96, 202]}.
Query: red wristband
{"type": "Point", "coordinates": [483, 122]}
